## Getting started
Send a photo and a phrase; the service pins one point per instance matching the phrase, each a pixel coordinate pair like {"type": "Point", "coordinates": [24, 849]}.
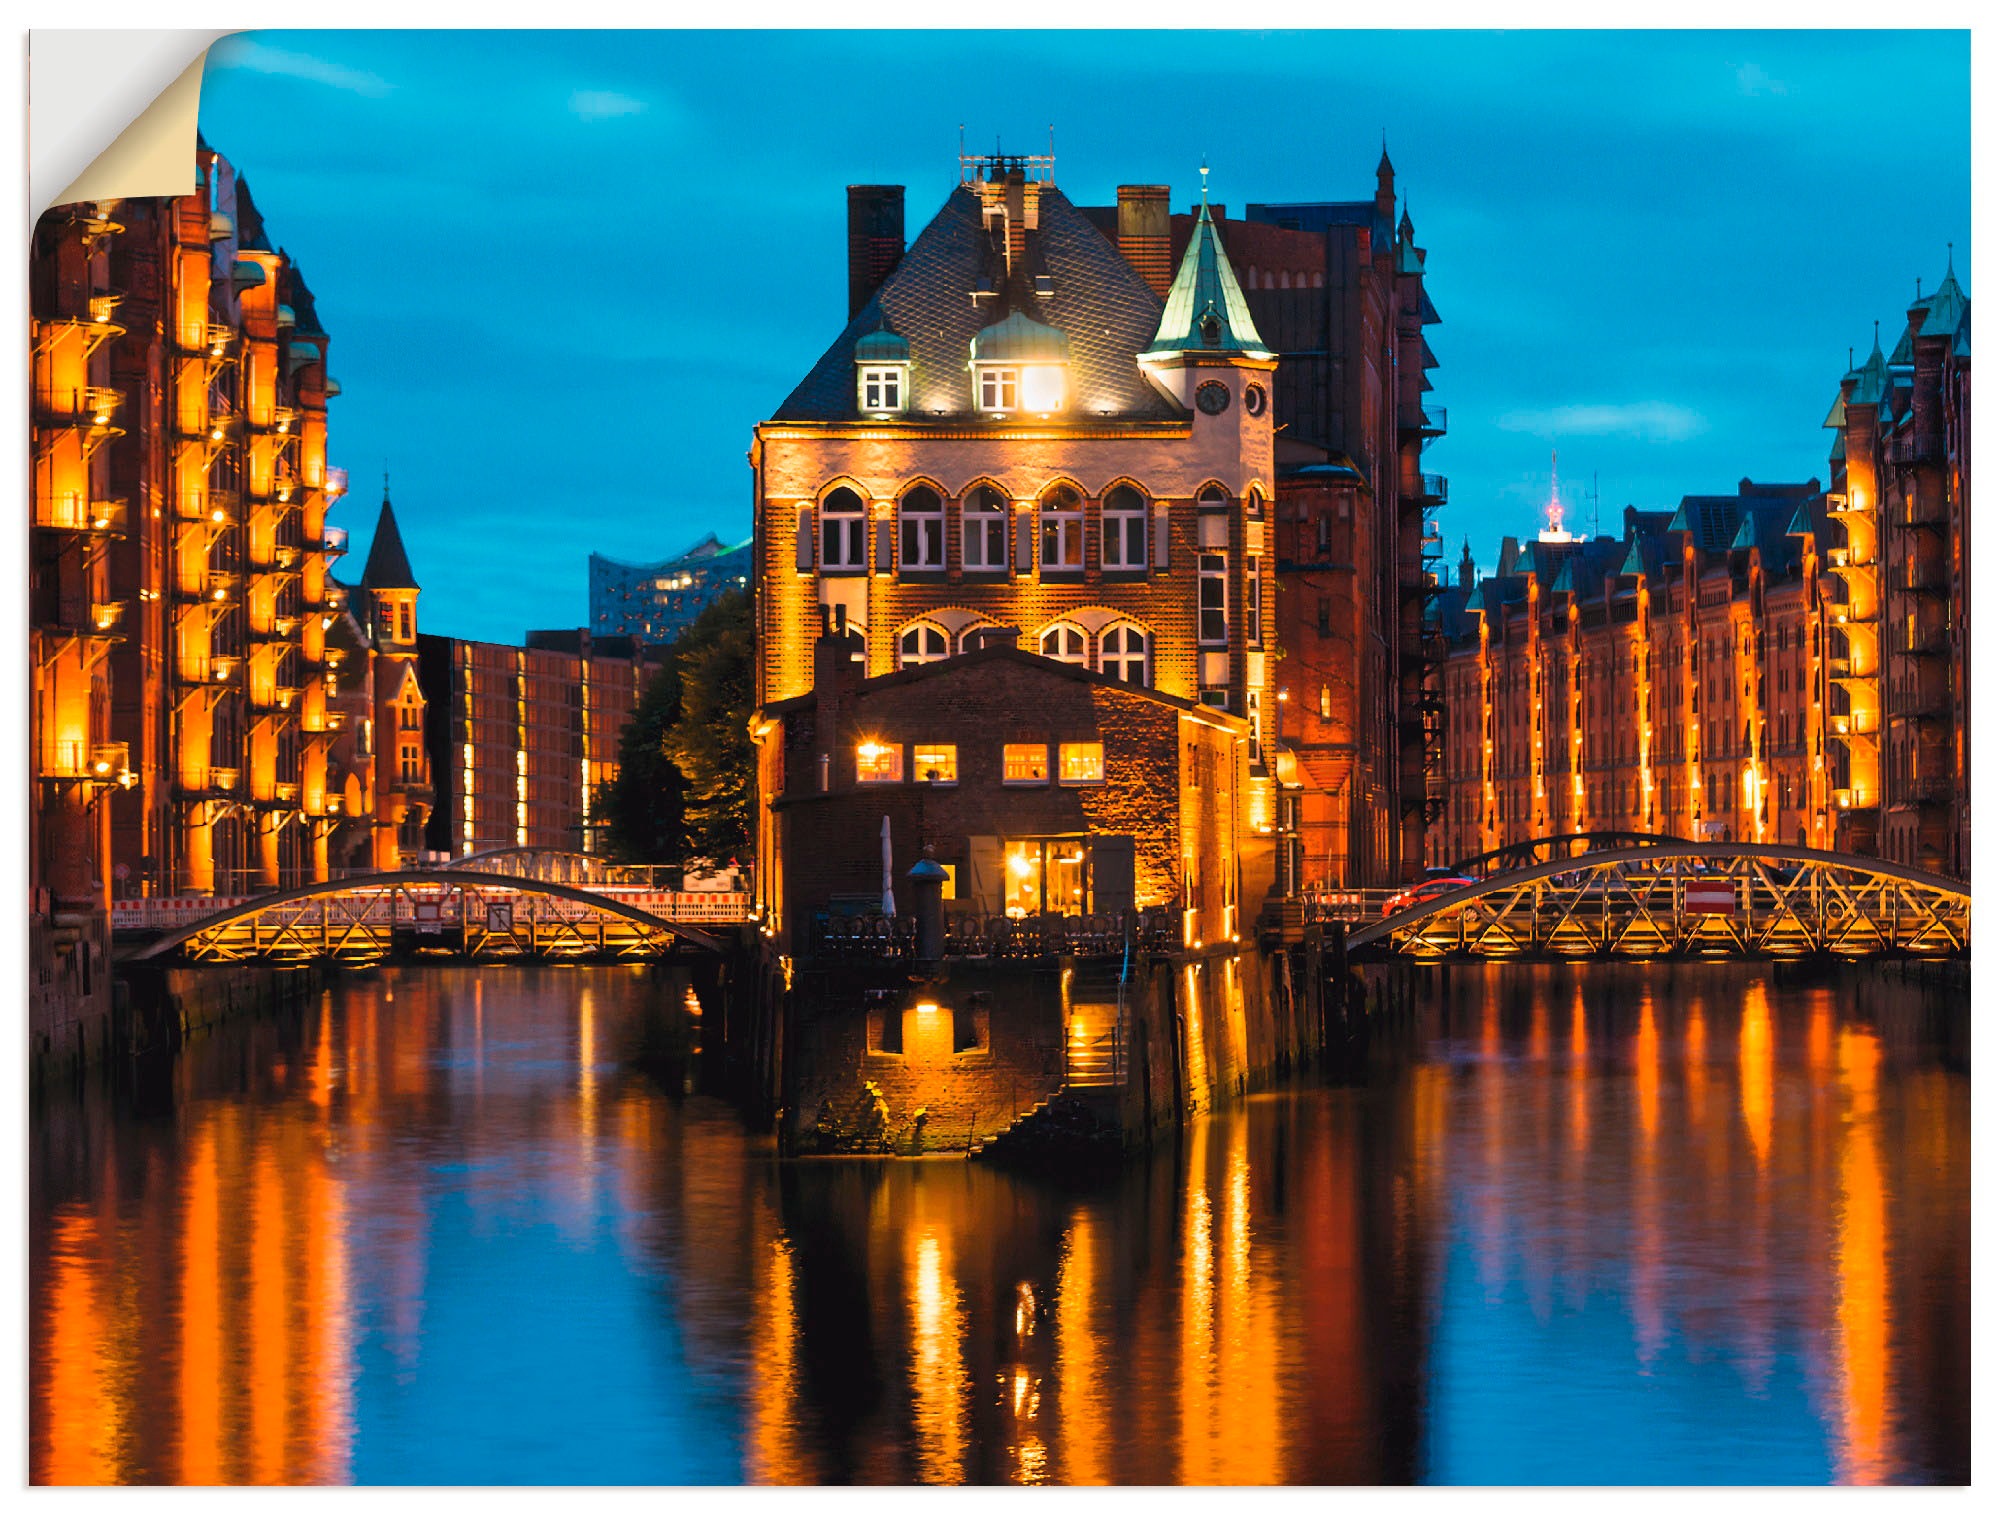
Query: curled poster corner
{"type": "Point", "coordinates": [140, 91]}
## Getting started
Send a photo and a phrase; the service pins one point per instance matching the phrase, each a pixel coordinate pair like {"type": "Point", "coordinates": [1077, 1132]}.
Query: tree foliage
{"type": "Point", "coordinates": [685, 762]}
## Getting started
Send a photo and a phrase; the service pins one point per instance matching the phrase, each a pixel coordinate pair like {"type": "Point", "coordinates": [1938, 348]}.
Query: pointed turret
{"type": "Point", "coordinates": [1871, 387]}
{"type": "Point", "coordinates": [1205, 311]}
{"type": "Point", "coordinates": [1947, 305]}
{"type": "Point", "coordinates": [388, 564]}
{"type": "Point", "coordinates": [1385, 182]}
{"type": "Point", "coordinates": [1466, 571]}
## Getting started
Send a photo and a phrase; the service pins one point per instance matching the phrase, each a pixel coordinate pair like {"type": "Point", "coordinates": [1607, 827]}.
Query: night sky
{"type": "Point", "coordinates": [566, 273]}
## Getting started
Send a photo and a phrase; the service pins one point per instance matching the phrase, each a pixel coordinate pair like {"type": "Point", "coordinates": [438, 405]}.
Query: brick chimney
{"type": "Point", "coordinates": [1145, 234]}
{"type": "Point", "coordinates": [836, 675]}
{"type": "Point", "coordinates": [874, 239]}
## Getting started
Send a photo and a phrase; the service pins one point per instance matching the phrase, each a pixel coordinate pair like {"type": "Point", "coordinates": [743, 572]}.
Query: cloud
{"type": "Point", "coordinates": [601, 104]}
{"type": "Point", "coordinates": [261, 58]}
{"type": "Point", "coordinates": [1752, 80]}
{"type": "Point", "coordinates": [1642, 420]}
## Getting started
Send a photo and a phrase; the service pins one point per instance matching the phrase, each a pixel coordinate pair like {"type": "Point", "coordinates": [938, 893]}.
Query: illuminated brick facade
{"type": "Point", "coordinates": [1015, 770]}
{"type": "Point", "coordinates": [522, 738]}
{"type": "Point", "coordinates": [1778, 665]}
{"type": "Point", "coordinates": [1901, 495]}
{"type": "Point", "coordinates": [181, 573]}
{"type": "Point", "coordinates": [1015, 429]}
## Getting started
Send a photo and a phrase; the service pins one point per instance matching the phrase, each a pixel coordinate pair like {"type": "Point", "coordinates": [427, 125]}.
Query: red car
{"type": "Point", "coordinates": [1433, 886]}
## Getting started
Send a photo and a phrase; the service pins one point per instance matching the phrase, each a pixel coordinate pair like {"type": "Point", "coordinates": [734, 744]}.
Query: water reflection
{"type": "Point", "coordinates": [1572, 1227]}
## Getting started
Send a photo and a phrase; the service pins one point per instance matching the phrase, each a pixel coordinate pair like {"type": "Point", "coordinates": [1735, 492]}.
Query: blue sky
{"type": "Point", "coordinates": [566, 273]}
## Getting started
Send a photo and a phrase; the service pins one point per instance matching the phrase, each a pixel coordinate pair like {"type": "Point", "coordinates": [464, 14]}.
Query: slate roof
{"type": "Point", "coordinates": [1099, 302]}
{"type": "Point", "coordinates": [388, 564]}
{"type": "Point", "coordinates": [249, 220]}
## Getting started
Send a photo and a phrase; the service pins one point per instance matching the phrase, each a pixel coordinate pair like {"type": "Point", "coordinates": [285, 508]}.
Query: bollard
{"type": "Point", "coordinates": [927, 882]}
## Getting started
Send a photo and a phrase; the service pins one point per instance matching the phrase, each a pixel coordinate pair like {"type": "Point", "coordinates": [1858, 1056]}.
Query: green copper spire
{"type": "Point", "coordinates": [1205, 308]}
{"type": "Point", "coordinates": [1873, 386]}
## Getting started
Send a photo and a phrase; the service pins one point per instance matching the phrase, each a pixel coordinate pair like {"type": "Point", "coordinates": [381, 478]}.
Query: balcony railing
{"type": "Point", "coordinates": [70, 761]}
{"type": "Point", "coordinates": [222, 584]}
{"type": "Point", "coordinates": [88, 404]}
{"type": "Point", "coordinates": [74, 513]}
{"type": "Point", "coordinates": [106, 616]}
{"type": "Point", "coordinates": [1435, 486]}
{"type": "Point", "coordinates": [333, 541]}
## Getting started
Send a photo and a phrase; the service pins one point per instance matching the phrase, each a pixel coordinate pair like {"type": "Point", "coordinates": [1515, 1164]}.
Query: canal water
{"type": "Point", "coordinates": [1595, 1226]}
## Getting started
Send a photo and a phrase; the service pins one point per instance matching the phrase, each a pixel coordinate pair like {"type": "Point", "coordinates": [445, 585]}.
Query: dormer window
{"type": "Point", "coordinates": [1019, 366]}
{"type": "Point", "coordinates": [882, 373]}
{"type": "Point", "coordinates": [882, 389]}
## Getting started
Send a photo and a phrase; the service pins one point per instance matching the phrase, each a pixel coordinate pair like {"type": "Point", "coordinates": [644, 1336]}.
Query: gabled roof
{"type": "Point", "coordinates": [388, 564]}
{"type": "Point", "coordinates": [1098, 300]}
{"type": "Point", "coordinates": [1205, 310]}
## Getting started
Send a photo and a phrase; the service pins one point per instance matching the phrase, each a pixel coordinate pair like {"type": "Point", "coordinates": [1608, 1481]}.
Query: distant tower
{"type": "Point", "coordinates": [1467, 574]}
{"type": "Point", "coordinates": [402, 779]}
{"type": "Point", "coordinates": [1385, 182]}
{"type": "Point", "coordinates": [1553, 532]}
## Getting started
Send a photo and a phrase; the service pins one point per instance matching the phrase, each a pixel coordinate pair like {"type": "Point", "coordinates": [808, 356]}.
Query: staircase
{"type": "Point", "coordinates": [1094, 1054]}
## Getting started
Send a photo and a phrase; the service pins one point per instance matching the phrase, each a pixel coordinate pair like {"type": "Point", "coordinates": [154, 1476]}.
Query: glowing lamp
{"type": "Point", "coordinates": [871, 750]}
{"type": "Point", "coordinates": [928, 1007]}
{"type": "Point", "coordinates": [1018, 865]}
{"type": "Point", "coordinates": [1042, 389]}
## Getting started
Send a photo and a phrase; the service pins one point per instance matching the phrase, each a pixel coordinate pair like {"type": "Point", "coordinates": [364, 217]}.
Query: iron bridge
{"type": "Point", "coordinates": [467, 913]}
{"type": "Point", "coordinates": [1688, 899]}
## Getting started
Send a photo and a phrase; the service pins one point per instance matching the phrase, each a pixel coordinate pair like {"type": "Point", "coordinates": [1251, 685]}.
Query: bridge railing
{"type": "Point", "coordinates": [171, 913]}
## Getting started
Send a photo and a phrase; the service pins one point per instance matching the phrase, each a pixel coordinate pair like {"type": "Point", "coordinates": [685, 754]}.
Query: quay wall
{"type": "Point", "coordinates": [908, 1058]}
{"type": "Point", "coordinates": [152, 1008]}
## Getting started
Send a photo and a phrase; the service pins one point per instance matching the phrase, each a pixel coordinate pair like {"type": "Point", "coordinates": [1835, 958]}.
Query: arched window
{"type": "Point", "coordinates": [922, 643]}
{"type": "Point", "coordinates": [1124, 529]}
{"type": "Point", "coordinates": [922, 522]}
{"type": "Point", "coordinates": [984, 549]}
{"type": "Point", "coordinates": [843, 533]}
{"type": "Point", "coordinates": [1124, 654]}
{"type": "Point", "coordinates": [1066, 644]}
{"type": "Point", "coordinates": [1062, 529]}
{"type": "Point", "coordinates": [1253, 502]}
{"type": "Point", "coordinates": [1212, 497]}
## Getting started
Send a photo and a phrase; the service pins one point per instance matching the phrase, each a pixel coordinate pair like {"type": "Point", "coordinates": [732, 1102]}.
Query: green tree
{"type": "Point", "coordinates": [710, 741]}
{"type": "Point", "coordinates": [643, 808]}
{"type": "Point", "coordinates": [685, 762]}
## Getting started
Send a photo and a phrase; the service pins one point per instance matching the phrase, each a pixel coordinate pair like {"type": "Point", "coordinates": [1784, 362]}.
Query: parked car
{"type": "Point", "coordinates": [1436, 884]}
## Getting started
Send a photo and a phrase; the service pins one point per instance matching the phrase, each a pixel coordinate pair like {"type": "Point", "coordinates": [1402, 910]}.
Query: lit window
{"type": "Point", "coordinates": [1000, 389]}
{"type": "Point", "coordinates": [882, 389]}
{"type": "Point", "coordinates": [1083, 762]}
{"type": "Point", "coordinates": [1066, 644]}
{"type": "Point", "coordinates": [843, 533]}
{"type": "Point", "coordinates": [1062, 529]}
{"type": "Point", "coordinates": [922, 522]}
{"type": "Point", "coordinates": [937, 764]}
{"type": "Point", "coordinates": [1024, 763]}
{"type": "Point", "coordinates": [985, 549]}
{"type": "Point", "coordinates": [1122, 655]}
{"type": "Point", "coordinates": [1213, 602]}
{"type": "Point", "coordinates": [922, 643]}
{"type": "Point", "coordinates": [410, 763]}
{"type": "Point", "coordinates": [1124, 529]}
{"type": "Point", "coordinates": [878, 762]}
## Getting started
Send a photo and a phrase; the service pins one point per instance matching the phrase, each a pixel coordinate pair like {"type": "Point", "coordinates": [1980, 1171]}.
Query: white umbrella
{"type": "Point", "coordinates": [888, 876]}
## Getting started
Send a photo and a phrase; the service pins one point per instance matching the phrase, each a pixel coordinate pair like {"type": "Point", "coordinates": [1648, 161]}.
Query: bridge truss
{"type": "Point", "coordinates": [466, 914]}
{"type": "Point", "coordinates": [1685, 899]}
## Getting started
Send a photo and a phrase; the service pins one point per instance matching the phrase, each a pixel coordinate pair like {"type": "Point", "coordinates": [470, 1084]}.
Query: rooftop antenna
{"type": "Point", "coordinates": [1593, 502]}
{"type": "Point", "coordinates": [1204, 178]}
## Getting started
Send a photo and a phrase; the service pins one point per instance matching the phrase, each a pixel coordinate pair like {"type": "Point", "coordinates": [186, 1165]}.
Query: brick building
{"type": "Point", "coordinates": [1337, 289]}
{"type": "Point", "coordinates": [656, 602]}
{"type": "Point", "coordinates": [179, 583]}
{"type": "Point", "coordinates": [1901, 498]}
{"type": "Point", "coordinates": [1042, 787]}
{"type": "Point", "coordinates": [520, 739]}
{"type": "Point", "coordinates": [1783, 664]}
{"type": "Point", "coordinates": [1097, 474]}
{"type": "Point", "coordinates": [1670, 681]}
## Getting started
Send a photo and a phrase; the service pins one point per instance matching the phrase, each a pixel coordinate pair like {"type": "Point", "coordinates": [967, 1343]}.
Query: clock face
{"type": "Point", "coordinates": [1212, 398]}
{"type": "Point", "coordinates": [1253, 399]}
